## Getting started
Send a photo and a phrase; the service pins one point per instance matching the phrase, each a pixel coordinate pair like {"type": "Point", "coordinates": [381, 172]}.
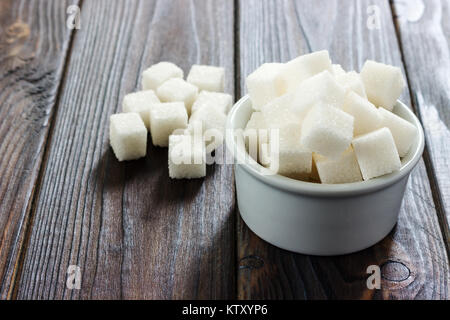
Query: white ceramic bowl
{"type": "Point", "coordinates": [312, 218]}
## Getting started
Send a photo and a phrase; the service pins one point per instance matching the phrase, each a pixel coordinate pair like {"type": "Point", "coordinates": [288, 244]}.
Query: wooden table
{"type": "Point", "coordinates": [133, 232]}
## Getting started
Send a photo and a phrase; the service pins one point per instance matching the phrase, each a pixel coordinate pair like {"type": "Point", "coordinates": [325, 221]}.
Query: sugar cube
{"type": "Point", "coordinates": [212, 124]}
{"type": "Point", "coordinates": [255, 135]}
{"type": "Point", "coordinates": [174, 90]}
{"type": "Point", "coordinates": [383, 83]}
{"type": "Point", "coordinates": [128, 136]}
{"type": "Point", "coordinates": [217, 100]}
{"type": "Point", "coordinates": [352, 81]}
{"type": "Point", "coordinates": [337, 69]}
{"type": "Point", "coordinates": [154, 76]}
{"type": "Point", "coordinates": [303, 67]}
{"type": "Point", "coordinates": [207, 77]}
{"type": "Point", "coordinates": [164, 119]}
{"type": "Point", "coordinates": [402, 131]}
{"type": "Point", "coordinates": [327, 130]}
{"type": "Point", "coordinates": [277, 113]}
{"type": "Point", "coordinates": [287, 156]}
{"type": "Point", "coordinates": [376, 153]}
{"type": "Point", "coordinates": [366, 114]}
{"type": "Point", "coordinates": [140, 102]}
{"type": "Point", "coordinates": [321, 87]}
{"type": "Point", "coordinates": [187, 159]}
{"type": "Point", "coordinates": [262, 84]}
{"type": "Point", "coordinates": [343, 169]}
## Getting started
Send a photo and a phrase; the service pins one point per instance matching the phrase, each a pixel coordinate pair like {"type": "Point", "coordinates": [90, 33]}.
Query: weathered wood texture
{"type": "Point", "coordinates": [134, 232]}
{"type": "Point", "coordinates": [424, 32]}
{"type": "Point", "coordinates": [34, 41]}
{"type": "Point", "coordinates": [412, 258]}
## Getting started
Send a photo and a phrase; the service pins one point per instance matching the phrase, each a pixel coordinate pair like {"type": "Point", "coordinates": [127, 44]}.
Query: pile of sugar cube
{"type": "Point", "coordinates": [171, 108]}
{"type": "Point", "coordinates": [333, 126]}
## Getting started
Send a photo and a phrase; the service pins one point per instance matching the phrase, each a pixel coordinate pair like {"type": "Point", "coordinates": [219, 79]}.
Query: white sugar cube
{"type": "Point", "coordinates": [219, 101]}
{"type": "Point", "coordinates": [154, 76]}
{"type": "Point", "coordinates": [128, 136]}
{"type": "Point", "coordinates": [292, 159]}
{"type": "Point", "coordinates": [366, 114]}
{"type": "Point", "coordinates": [277, 113]}
{"type": "Point", "coordinates": [164, 119]}
{"type": "Point", "coordinates": [212, 125]}
{"type": "Point", "coordinates": [320, 88]}
{"type": "Point", "coordinates": [376, 153]}
{"type": "Point", "coordinates": [303, 67]}
{"type": "Point", "coordinates": [343, 169]}
{"type": "Point", "coordinates": [383, 83]}
{"type": "Point", "coordinates": [255, 135]}
{"type": "Point", "coordinates": [262, 84]}
{"type": "Point", "coordinates": [337, 69]}
{"type": "Point", "coordinates": [178, 90]}
{"type": "Point", "coordinates": [140, 102]}
{"type": "Point", "coordinates": [402, 131]}
{"type": "Point", "coordinates": [207, 78]}
{"type": "Point", "coordinates": [327, 130]}
{"type": "Point", "coordinates": [187, 159]}
{"type": "Point", "coordinates": [352, 81]}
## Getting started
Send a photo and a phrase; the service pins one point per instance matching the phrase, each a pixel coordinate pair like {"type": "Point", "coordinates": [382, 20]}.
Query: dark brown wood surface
{"type": "Point", "coordinates": [134, 233]}
{"type": "Point", "coordinates": [424, 31]}
{"type": "Point", "coordinates": [34, 42]}
{"type": "Point", "coordinates": [413, 258]}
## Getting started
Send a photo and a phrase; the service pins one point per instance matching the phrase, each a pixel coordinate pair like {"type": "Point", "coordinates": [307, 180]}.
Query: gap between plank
{"type": "Point", "coordinates": [29, 219]}
{"type": "Point", "coordinates": [431, 173]}
{"type": "Point", "coordinates": [237, 95]}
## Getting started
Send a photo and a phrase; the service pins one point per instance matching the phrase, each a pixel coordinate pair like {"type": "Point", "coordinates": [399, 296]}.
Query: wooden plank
{"type": "Point", "coordinates": [133, 232]}
{"type": "Point", "coordinates": [413, 259]}
{"type": "Point", "coordinates": [33, 46]}
{"type": "Point", "coordinates": [424, 34]}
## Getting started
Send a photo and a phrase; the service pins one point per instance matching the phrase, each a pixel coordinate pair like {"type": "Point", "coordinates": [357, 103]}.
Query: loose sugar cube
{"type": "Point", "coordinates": [383, 83]}
{"type": "Point", "coordinates": [337, 69]}
{"type": "Point", "coordinates": [128, 136]}
{"type": "Point", "coordinates": [292, 159]}
{"type": "Point", "coordinates": [212, 125]}
{"type": "Point", "coordinates": [262, 84]}
{"type": "Point", "coordinates": [376, 153]}
{"type": "Point", "coordinates": [210, 117]}
{"type": "Point", "coordinates": [164, 119]}
{"type": "Point", "coordinates": [187, 159]}
{"type": "Point", "coordinates": [207, 78]}
{"type": "Point", "coordinates": [303, 67]}
{"type": "Point", "coordinates": [255, 135]}
{"type": "Point", "coordinates": [327, 130]}
{"type": "Point", "coordinates": [321, 87]}
{"type": "Point", "coordinates": [402, 131]}
{"type": "Point", "coordinates": [366, 114]}
{"type": "Point", "coordinates": [344, 169]}
{"type": "Point", "coordinates": [140, 102]}
{"type": "Point", "coordinates": [154, 76]}
{"type": "Point", "coordinates": [352, 81]}
{"type": "Point", "coordinates": [216, 100]}
{"type": "Point", "coordinates": [174, 90]}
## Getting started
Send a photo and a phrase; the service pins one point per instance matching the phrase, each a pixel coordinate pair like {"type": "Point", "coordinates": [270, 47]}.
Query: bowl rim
{"type": "Point", "coordinates": [316, 189]}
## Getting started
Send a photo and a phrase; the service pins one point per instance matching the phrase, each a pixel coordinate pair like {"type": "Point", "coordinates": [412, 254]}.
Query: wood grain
{"type": "Point", "coordinates": [413, 259]}
{"type": "Point", "coordinates": [33, 45]}
{"type": "Point", "coordinates": [424, 33]}
{"type": "Point", "coordinates": [133, 232]}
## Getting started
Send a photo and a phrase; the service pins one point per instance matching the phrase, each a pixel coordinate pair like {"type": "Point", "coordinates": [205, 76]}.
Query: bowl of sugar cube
{"type": "Point", "coordinates": [322, 156]}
